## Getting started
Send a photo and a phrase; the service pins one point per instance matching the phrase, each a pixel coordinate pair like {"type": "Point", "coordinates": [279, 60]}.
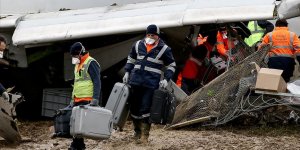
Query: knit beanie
{"type": "Point", "coordinates": [77, 48]}
{"type": "Point", "coordinates": [153, 29]}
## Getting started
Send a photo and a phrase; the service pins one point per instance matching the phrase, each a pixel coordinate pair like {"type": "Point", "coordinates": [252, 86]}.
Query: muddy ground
{"type": "Point", "coordinates": [37, 135]}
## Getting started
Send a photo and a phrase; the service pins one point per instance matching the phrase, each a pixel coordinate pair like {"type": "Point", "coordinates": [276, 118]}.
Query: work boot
{"type": "Point", "coordinates": [145, 133]}
{"type": "Point", "coordinates": [77, 144]}
{"type": "Point", "coordinates": [137, 129]}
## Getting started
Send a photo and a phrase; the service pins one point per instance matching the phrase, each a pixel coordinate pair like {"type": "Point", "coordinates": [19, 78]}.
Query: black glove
{"type": "Point", "coordinates": [94, 102]}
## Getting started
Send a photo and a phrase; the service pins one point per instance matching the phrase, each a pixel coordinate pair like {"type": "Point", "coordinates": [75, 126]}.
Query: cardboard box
{"type": "Point", "coordinates": [270, 80]}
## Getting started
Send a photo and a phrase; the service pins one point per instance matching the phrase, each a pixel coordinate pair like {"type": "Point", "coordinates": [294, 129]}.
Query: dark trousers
{"type": "Point", "coordinates": [286, 64]}
{"type": "Point", "coordinates": [140, 102]}
{"type": "Point", "coordinates": [189, 85]}
{"type": "Point", "coordinates": [78, 143]}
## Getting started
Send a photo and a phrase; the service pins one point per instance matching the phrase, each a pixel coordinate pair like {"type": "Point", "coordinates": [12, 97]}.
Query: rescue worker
{"type": "Point", "coordinates": [87, 84]}
{"type": "Point", "coordinates": [144, 70]}
{"type": "Point", "coordinates": [223, 43]}
{"type": "Point", "coordinates": [258, 30]}
{"type": "Point", "coordinates": [284, 45]}
{"type": "Point", "coordinates": [208, 37]}
{"type": "Point", "coordinates": [195, 73]}
{"type": "Point", "coordinates": [194, 69]}
{"type": "Point", "coordinates": [2, 49]}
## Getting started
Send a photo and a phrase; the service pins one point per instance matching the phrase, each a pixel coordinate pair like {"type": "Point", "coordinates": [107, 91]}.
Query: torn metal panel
{"type": "Point", "coordinates": [8, 125]}
{"type": "Point", "coordinates": [219, 97]}
{"type": "Point", "coordinates": [289, 9]}
{"type": "Point", "coordinates": [179, 94]}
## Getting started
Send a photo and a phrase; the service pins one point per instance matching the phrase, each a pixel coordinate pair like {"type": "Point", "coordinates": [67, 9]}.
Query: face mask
{"type": "Point", "coordinates": [149, 40]}
{"type": "Point", "coordinates": [75, 60]}
{"type": "Point", "coordinates": [1, 54]}
{"type": "Point", "coordinates": [235, 42]}
{"type": "Point", "coordinates": [224, 34]}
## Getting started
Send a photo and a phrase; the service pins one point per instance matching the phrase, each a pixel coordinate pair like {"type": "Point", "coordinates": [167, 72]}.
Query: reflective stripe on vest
{"type": "Point", "coordinates": [136, 48]}
{"type": "Point", "coordinates": [130, 60]}
{"type": "Point", "coordinates": [153, 60]}
{"type": "Point", "coordinates": [256, 33]}
{"type": "Point", "coordinates": [83, 85]}
{"type": "Point", "coordinates": [285, 47]}
{"type": "Point", "coordinates": [140, 117]}
{"type": "Point", "coordinates": [257, 28]}
{"type": "Point", "coordinates": [171, 67]}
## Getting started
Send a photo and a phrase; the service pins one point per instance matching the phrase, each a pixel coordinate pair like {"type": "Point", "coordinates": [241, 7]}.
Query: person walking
{"type": "Point", "coordinates": [144, 70]}
{"type": "Point", "coordinates": [87, 84]}
{"type": "Point", "coordinates": [285, 44]}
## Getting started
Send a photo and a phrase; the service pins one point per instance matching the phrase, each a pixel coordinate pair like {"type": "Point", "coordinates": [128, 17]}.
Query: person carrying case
{"type": "Point", "coordinates": [62, 122]}
{"type": "Point", "coordinates": [117, 103]}
{"type": "Point", "coordinates": [163, 107]}
{"type": "Point", "coordinates": [92, 122]}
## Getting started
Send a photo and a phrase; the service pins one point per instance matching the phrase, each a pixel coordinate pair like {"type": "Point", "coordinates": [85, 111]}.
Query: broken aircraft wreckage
{"type": "Point", "coordinates": [8, 125]}
{"type": "Point", "coordinates": [39, 40]}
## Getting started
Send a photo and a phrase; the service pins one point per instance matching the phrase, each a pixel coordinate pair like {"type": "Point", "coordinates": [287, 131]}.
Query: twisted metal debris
{"type": "Point", "coordinates": [223, 98]}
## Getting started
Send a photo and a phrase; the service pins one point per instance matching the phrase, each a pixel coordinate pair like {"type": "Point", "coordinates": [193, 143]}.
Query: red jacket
{"type": "Point", "coordinates": [193, 69]}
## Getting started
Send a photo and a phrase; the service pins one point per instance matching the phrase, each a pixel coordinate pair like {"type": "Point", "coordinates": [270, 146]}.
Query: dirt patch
{"type": "Point", "coordinates": [37, 135]}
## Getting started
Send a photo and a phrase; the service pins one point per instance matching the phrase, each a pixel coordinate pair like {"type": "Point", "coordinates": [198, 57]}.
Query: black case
{"type": "Point", "coordinates": [62, 122]}
{"type": "Point", "coordinates": [163, 107]}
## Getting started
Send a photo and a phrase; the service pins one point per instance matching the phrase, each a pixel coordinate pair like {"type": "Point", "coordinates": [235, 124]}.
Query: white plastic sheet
{"type": "Point", "coordinates": [294, 87]}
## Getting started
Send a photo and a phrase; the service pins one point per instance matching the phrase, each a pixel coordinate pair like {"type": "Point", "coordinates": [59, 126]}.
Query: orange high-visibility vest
{"type": "Point", "coordinates": [284, 42]}
{"type": "Point", "coordinates": [222, 43]}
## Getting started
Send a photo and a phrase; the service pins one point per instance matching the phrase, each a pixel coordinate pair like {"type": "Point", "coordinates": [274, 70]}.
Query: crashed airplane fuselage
{"type": "Point", "coordinates": [39, 36]}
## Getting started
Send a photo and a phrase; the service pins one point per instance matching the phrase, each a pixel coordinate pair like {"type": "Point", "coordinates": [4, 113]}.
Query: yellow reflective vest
{"type": "Point", "coordinates": [83, 85]}
{"type": "Point", "coordinates": [256, 33]}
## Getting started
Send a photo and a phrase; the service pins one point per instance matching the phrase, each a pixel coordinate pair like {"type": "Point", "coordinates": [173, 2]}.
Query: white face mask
{"type": "Point", "coordinates": [149, 40]}
{"type": "Point", "coordinates": [235, 42]}
{"type": "Point", "coordinates": [1, 54]}
{"type": "Point", "coordinates": [75, 60]}
{"type": "Point", "coordinates": [224, 34]}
